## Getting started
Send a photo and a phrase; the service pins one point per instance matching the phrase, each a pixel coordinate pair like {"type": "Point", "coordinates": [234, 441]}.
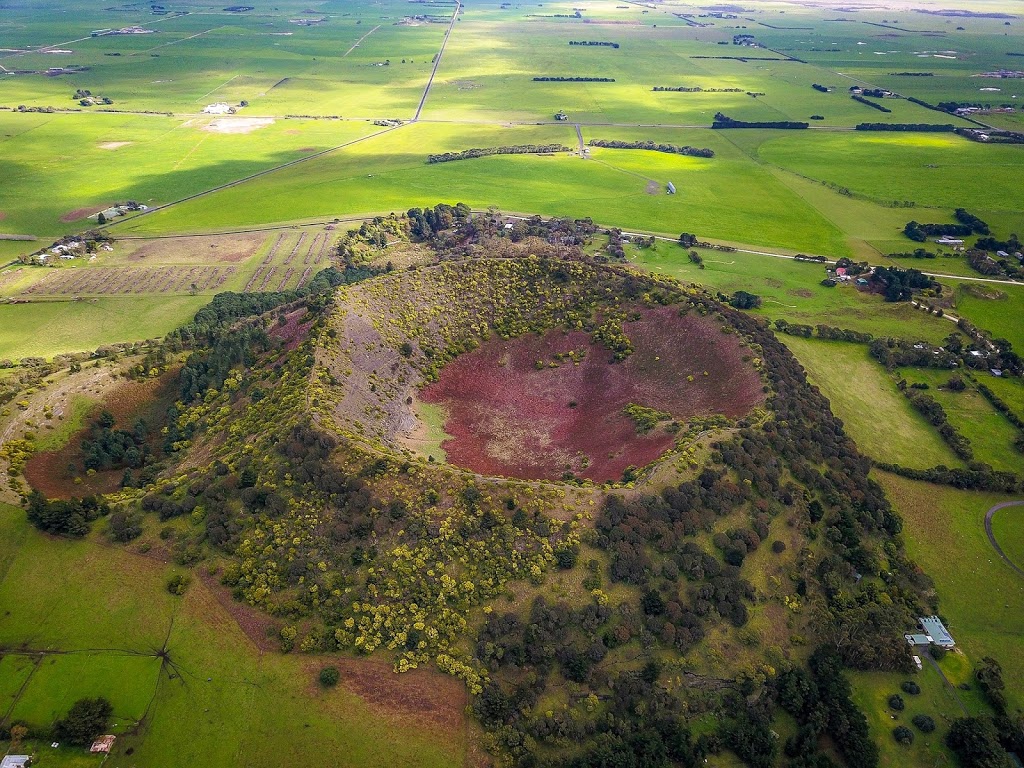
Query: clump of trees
{"type": "Point", "coordinates": [900, 284]}
{"type": "Point", "coordinates": [87, 719]}
{"type": "Point", "coordinates": [109, 448]}
{"type": "Point", "coordinates": [64, 518]}
{"type": "Point", "coordinates": [594, 42]}
{"type": "Point", "coordinates": [744, 300]}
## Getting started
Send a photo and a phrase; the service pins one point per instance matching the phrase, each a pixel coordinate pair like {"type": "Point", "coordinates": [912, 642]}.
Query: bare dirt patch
{"type": "Point", "coordinates": [508, 416]}
{"type": "Point", "coordinates": [652, 188]}
{"type": "Point", "coordinates": [306, 149]}
{"type": "Point", "coordinates": [2, 215]}
{"type": "Point", "coordinates": [802, 293]}
{"type": "Point", "coordinates": [218, 248]}
{"type": "Point", "coordinates": [236, 125]}
{"type": "Point", "coordinates": [115, 144]}
{"type": "Point", "coordinates": [81, 213]}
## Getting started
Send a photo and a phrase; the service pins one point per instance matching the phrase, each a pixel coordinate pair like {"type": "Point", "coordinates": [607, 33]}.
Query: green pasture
{"type": "Point", "coordinates": [792, 290]}
{"type": "Point", "coordinates": [1010, 390]}
{"type": "Point", "coordinates": [45, 328]}
{"type": "Point", "coordinates": [724, 197]}
{"type": "Point", "coordinates": [991, 435]}
{"type": "Point", "coordinates": [215, 688]}
{"type": "Point", "coordinates": [1001, 315]}
{"type": "Point", "coordinates": [878, 418]}
{"type": "Point", "coordinates": [943, 703]}
{"type": "Point", "coordinates": [945, 534]}
{"type": "Point", "coordinates": [277, 66]}
{"type": "Point", "coordinates": [934, 170]}
{"type": "Point", "coordinates": [66, 166]}
{"type": "Point", "coordinates": [126, 680]}
{"type": "Point", "coordinates": [1008, 528]}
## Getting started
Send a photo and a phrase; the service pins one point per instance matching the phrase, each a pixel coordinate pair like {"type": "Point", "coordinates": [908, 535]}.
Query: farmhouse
{"type": "Point", "coordinates": [937, 630]}
{"type": "Point", "coordinates": [918, 638]}
{"type": "Point", "coordinates": [949, 241]}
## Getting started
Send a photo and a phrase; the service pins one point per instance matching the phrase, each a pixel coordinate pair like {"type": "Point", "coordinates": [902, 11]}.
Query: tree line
{"type": "Point", "coordinates": [869, 103]}
{"type": "Point", "coordinates": [594, 42]}
{"type": "Point", "coordinates": [516, 149]}
{"type": "Point", "coordinates": [722, 121]}
{"type": "Point", "coordinates": [671, 149]}
{"type": "Point", "coordinates": [574, 79]}
{"type": "Point", "coordinates": [694, 89]}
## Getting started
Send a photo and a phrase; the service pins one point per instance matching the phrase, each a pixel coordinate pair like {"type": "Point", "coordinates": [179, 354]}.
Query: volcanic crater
{"type": "Point", "coordinates": [543, 404]}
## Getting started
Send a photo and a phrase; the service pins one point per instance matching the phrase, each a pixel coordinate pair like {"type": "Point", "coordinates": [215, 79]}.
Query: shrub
{"type": "Point", "coordinates": [778, 547]}
{"type": "Point", "coordinates": [903, 735]}
{"type": "Point", "coordinates": [924, 723]}
{"type": "Point", "coordinates": [178, 584]}
{"type": "Point", "coordinates": [909, 686]}
{"type": "Point", "coordinates": [896, 702]}
{"type": "Point", "coordinates": [329, 677]}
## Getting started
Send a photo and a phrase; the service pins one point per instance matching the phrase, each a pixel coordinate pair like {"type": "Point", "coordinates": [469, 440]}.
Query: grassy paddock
{"type": "Point", "coordinates": [943, 525]}
{"type": "Point", "coordinates": [216, 687]}
{"type": "Point", "coordinates": [875, 414]}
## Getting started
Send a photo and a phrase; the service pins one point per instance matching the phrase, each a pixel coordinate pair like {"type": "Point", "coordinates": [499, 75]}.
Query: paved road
{"type": "Point", "coordinates": [437, 61]}
{"type": "Point", "coordinates": [991, 536]}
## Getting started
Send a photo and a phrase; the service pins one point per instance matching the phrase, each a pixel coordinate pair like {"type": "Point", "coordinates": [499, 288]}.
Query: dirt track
{"type": "Point", "coordinates": [992, 538]}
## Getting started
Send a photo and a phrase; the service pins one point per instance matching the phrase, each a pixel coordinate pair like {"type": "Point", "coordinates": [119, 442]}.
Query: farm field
{"type": "Point", "coordinates": [388, 484]}
{"type": "Point", "coordinates": [933, 517]}
{"type": "Point", "coordinates": [211, 666]}
{"type": "Point", "coordinates": [907, 439]}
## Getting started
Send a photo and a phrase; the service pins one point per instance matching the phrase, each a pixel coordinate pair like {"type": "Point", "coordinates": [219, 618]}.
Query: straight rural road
{"type": "Point", "coordinates": [437, 60]}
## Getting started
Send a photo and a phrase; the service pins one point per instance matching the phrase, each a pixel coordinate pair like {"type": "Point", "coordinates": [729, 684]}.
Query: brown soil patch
{"type": "Point", "coordinates": [81, 213]}
{"type": "Point", "coordinates": [424, 695]}
{"type": "Point", "coordinates": [292, 132]}
{"type": "Point", "coordinates": [225, 248]}
{"type": "Point", "coordinates": [2, 215]}
{"type": "Point", "coordinates": [773, 282]}
{"type": "Point", "coordinates": [257, 626]}
{"type": "Point", "coordinates": [652, 188]}
{"type": "Point", "coordinates": [48, 471]}
{"type": "Point", "coordinates": [306, 149]}
{"type": "Point", "coordinates": [802, 293]}
{"type": "Point", "coordinates": [507, 417]}
{"type": "Point", "coordinates": [294, 330]}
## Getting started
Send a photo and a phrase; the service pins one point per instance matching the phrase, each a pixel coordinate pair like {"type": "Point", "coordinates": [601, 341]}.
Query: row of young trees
{"type": "Point", "coordinates": [723, 121]}
{"type": "Point", "coordinates": [653, 146]}
{"type": "Point", "coordinates": [517, 149]}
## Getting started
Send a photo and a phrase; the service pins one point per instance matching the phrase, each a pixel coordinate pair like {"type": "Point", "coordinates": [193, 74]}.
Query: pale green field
{"type": "Point", "coordinates": [44, 328]}
{"type": "Point", "coordinates": [878, 418]}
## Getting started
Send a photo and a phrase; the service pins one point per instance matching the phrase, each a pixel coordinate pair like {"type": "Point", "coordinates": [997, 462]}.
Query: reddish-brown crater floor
{"type": "Point", "coordinates": [507, 417]}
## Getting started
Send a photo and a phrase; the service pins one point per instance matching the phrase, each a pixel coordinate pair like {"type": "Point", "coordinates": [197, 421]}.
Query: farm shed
{"type": "Point", "coordinates": [671, 188]}
{"type": "Point", "coordinates": [940, 635]}
{"type": "Point", "coordinates": [918, 639]}
{"type": "Point", "coordinates": [14, 761]}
